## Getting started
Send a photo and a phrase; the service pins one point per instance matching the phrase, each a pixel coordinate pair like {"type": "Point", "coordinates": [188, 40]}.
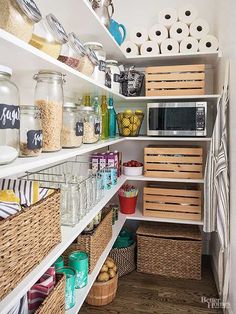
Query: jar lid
{"type": "Point", "coordinates": [86, 108]}
{"type": "Point", "coordinates": [112, 62]}
{"type": "Point", "coordinates": [92, 56]}
{"type": "Point", "coordinates": [76, 44]}
{"type": "Point", "coordinates": [29, 107]}
{"type": "Point", "coordinates": [93, 43]}
{"type": "Point", "coordinates": [49, 74]}
{"type": "Point", "coordinates": [30, 8]}
{"type": "Point", "coordinates": [57, 29]}
{"type": "Point", "coordinates": [5, 69]}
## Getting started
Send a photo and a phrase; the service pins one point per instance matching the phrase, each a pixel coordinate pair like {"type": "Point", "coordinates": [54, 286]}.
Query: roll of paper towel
{"type": "Point", "coordinates": [189, 44]}
{"type": "Point", "coordinates": [179, 31]}
{"type": "Point", "coordinates": [168, 17]}
{"type": "Point", "coordinates": [150, 48]}
{"type": "Point", "coordinates": [209, 43]}
{"type": "Point", "coordinates": [139, 35]}
{"type": "Point", "coordinates": [169, 46]}
{"type": "Point", "coordinates": [199, 28]}
{"type": "Point", "coordinates": [129, 48]}
{"type": "Point", "coordinates": [158, 33]}
{"type": "Point", "coordinates": [188, 14]}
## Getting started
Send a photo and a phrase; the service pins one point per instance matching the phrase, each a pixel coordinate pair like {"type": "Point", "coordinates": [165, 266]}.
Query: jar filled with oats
{"type": "Point", "coordinates": [91, 125]}
{"type": "Point", "coordinates": [49, 98]}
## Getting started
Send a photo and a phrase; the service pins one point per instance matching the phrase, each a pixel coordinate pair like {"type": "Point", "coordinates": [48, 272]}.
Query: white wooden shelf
{"type": "Point", "coordinates": [139, 216]}
{"type": "Point", "coordinates": [144, 178]}
{"type": "Point", "coordinates": [69, 234]}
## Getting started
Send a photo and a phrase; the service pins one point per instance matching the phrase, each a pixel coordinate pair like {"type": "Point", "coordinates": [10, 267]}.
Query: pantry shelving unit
{"type": "Point", "coordinates": [25, 61]}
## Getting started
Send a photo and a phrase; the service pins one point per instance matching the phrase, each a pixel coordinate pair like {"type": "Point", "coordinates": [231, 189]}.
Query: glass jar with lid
{"type": "Point", "coordinates": [115, 75]}
{"type": "Point", "coordinates": [31, 137]}
{"type": "Point", "coordinates": [49, 98]}
{"type": "Point", "coordinates": [18, 17]}
{"type": "Point", "coordinates": [73, 127]}
{"type": "Point", "coordinates": [74, 54]}
{"type": "Point", "coordinates": [9, 115]}
{"type": "Point", "coordinates": [100, 69]}
{"type": "Point", "coordinates": [91, 125]}
{"type": "Point", "coordinates": [49, 36]}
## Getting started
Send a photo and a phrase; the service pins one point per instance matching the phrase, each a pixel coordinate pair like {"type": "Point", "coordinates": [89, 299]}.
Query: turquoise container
{"type": "Point", "coordinates": [59, 263]}
{"type": "Point", "coordinates": [70, 286]}
{"type": "Point", "coordinates": [78, 260]}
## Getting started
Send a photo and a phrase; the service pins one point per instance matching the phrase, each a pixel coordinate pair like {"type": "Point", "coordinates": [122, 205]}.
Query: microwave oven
{"type": "Point", "coordinates": [177, 119]}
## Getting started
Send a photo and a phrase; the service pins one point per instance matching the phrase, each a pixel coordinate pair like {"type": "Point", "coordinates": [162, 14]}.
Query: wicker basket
{"type": "Point", "coordinates": [55, 302]}
{"type": "Point", "coordinates": [102, 293]}
{"type": "Point", "coordinates": [124, 259]}
{"type": "Point", "coordinates": [93, 244]}
{"type": "Point", "coordinates": [170, 250]}
{"type": "Point", "coordinates": [26, 238]}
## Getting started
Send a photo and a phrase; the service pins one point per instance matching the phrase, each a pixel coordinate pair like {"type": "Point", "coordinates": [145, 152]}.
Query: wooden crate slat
{"type": "Point", "coordinates": [174, 85]}
{"type": "Point", "coordinates": [176, 92]}
{"type": "Point", "coordinates": [173, 208]}
{"type": "Point", "coordinates": [175, 167]}
{"type": "Point", "coordinates": [172, 199]}
{"type": "Point", "coordinates": [196, 151]}
{"type": "Point", "coordinates": [176, 76]}
{"type": "Point", "coordinates": [177, 175]}
{"type": "Point", "coordinates": [183, 216]}
{"type": "Point", "coordinates": [170, 159]}
{"type": "Point", "coordinates": [176, 68]}
{"type": "Point", "coordinates": [160, 191]}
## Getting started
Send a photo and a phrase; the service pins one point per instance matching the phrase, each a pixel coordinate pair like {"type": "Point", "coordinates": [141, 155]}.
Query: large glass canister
{"type": "Point", "coordinates": [100, 70]}
{"type": "Point", "coordinates": [115, 75]}
{"type": "Point", "coordinates": [91, 125]}
{"type": "Point", "coordinates": [73, 127]}
{"type": "Point", "coordinates": [31, 136]}
{"type": "Point", "coordinates": [9, 111]}
{"type": "Point", "coordinates": [49, 36]}
{"type": "Point", "coordinates": [18, 17]}
{"type": "Point", "coordinates": [49, 98]}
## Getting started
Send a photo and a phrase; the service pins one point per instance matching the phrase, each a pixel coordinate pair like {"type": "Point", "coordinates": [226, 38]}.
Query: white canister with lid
{"type": "Point", "coordinates": [100, 69]}
{"type": "Point", "coordinates": [115, 75]}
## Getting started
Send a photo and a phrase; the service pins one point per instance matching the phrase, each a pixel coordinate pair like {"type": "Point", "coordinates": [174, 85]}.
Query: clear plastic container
{"type": "Point", "coordinates": [49, 98]}
{"type": "Point", "coordinates": [100, 69]}
{"type": "Point", "coordinates": [91, 125]}
{"type": "Point", "coordinates": [31, 135]}
{"type": "Point", "coordinates": [49, 36]}
{"type": "Point", "coordinates": [19, 17]}
{"type": "Point", "coordinates": [75, 55]}
{"type": "Point", "coordinates": [9, 111]}
{"type": "Point", "coordinates": [115, 75]}
{"type": "Point", "coordinates": [73, 127]}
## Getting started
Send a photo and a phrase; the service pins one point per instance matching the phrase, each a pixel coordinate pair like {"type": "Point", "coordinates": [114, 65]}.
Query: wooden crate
{"type": "Point", "coordinates": [172, 203]}
{"type": "Point", "coordinates": [173, 162]}
{"type": "Point", "coordinates": [175, 80]}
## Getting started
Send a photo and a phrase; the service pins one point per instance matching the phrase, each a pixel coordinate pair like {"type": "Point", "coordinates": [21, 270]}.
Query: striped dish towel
{"type": "Point", "coordinates": [9, 208]}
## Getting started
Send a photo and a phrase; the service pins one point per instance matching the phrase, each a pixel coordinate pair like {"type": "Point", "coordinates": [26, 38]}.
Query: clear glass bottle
{"type": "Point", "coordinates": [98, 110]}
{"type": "Point", "coordinates": [31, 135]}
{"type": "Point", "coordinates": [105, 119]}
{"type": "Point", "coordinates": [9, 110]}
{"type": "Point", "coordinates": [100, 69]}
{"type": "Point", "coordinates": [91, 125]}
{"type": "Point", "coordinates": [49, 98]}
{"type": "Point", "coordinates": [73, 127]}
{"type": "Point", "coordinates": [70, 204]}
{"type": "Point", "coordinates": [49, 36]}
{"type": "Point", "coordinates": [112, 119]}
{"type": "Point", "coordinates": [18, 17]}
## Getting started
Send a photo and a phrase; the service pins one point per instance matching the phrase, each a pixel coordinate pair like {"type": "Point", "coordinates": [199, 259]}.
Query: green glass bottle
{"type": "Point", "coordinates": [112, 119]}
{"type": "Point", "coordinates": [105, 119]}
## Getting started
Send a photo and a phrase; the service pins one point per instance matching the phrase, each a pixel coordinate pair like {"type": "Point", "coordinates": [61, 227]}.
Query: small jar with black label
{"type": "Point", "coordinates": [100, 69]}
{"type": "Point", "coordinates": [115, 75]}
{"type": "Point", "coordinates": [72, 128]}
{"type": "Point", "coordinates": [31, 135]}
{"type": "Point", "coordinates": [91, 125]}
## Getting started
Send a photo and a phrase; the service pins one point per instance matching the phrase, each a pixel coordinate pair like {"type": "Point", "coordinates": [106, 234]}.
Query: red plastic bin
{"type": "Point", "coordinates": [127, 204]}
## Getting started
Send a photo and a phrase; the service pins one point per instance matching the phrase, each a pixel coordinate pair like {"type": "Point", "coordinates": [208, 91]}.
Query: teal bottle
{"type": "Point", "coordinates": [112, 119]}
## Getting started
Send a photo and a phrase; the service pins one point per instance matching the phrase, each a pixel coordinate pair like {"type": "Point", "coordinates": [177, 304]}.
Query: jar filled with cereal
{"type": "Point", "coordinates": [91, 125]}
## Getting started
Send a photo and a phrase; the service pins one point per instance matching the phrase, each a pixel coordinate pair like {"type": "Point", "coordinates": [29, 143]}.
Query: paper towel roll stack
{"type": "Point", "coordinates": [129, 48]}
{"type": "Point", "coordinates": [150, 48]}
{"type": "Point", "coordinates": [188, 14]}
{"type": "Point", "coordinates": [179, 31]}
{"type": "Point", "coordinates": [138, 35]}
{"type": "Point", "coordinates": [158, 33]}
{"type": "Point", "coordinates": [189, 45]}
{"type": "Point", "coordinates": [209, 43]}
{"type": "Point", "coordinates": [168, 17]}
{"type": "Point", "coordinates": [170, 46]}
{"type": "Point", "coordinates": [199, 28]}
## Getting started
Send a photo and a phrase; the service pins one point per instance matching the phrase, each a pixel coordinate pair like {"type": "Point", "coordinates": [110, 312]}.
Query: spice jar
{"type": "Point", "coordinates": [49, 36]}
{"type": "Point", "coordinates": [100, 69]}
{"type": "Point", "coordinates": [31, 137]}
{"type": "Point", "coordinates": [18, 17]}
{"type": "Point", "coordinates": [91, 125]}
{"type": "Point", "coordinates": [74, 54]}
{"type": "Point", "coordinates": [9, 113]}
{"type": "Point", "coordinates": [49, 98]}
{"type": "Point", "coordinates": [115, 75]}
{"type": "Point", "coordinates": [73, 127]}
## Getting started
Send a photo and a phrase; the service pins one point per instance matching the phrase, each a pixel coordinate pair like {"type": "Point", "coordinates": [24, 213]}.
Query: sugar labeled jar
{"type": "Point", "coordinates": [73, 127]}
{"type": "Point", "coordinates": [49, 98]}
{"type": "Point", "coordinates": [31, 135]}
{"type": "Point", "coordinates": [18, 17]}
{"type": "Point", "coordinates": [115, 75]}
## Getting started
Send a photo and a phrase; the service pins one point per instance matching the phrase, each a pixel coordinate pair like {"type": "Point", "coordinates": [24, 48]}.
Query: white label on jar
{"type": "Point", "coordinates": [9, 116]}
{"type": "Point", "coordinates": [34, 139]}
{"type": "Point", "coordinates": [116, 78]}
{"type": "Point", "coordinates": [108, 80]}
{"type": "Point", "coordinates": [79, 129]}
{"type": "Point", "coordinates": [102, 66]}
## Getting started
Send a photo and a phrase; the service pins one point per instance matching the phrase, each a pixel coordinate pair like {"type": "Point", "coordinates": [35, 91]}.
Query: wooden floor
{"type": "Point", "coordinates": [142, 294]}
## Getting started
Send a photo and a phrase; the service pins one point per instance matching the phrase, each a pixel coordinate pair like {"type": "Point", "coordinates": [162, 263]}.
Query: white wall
{"type": "Point", "coordinates": [227, 22]}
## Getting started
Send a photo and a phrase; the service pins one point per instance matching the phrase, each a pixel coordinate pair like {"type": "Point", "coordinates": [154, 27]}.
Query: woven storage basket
{"type": "Point", "coordinates": [124, 259]}
{"type": "Point", "coordinates": [170, 250]}
{"type": "Point", "coordinates": [93, 244]}
{"type": "Point", "coordinates": [26, 238]}
{"type": "Point", "coordinates": [102, 293]}
{"type": "Point", "coordinates": [55, 302]}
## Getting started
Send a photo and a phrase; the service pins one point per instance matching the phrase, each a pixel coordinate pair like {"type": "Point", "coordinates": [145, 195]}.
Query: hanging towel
{"type": "Point", "coordinates": [9, 204]}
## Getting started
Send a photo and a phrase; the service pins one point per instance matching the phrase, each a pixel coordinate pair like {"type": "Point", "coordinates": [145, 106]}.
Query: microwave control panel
{"type": "Point", "coordinates": [200, 118]}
